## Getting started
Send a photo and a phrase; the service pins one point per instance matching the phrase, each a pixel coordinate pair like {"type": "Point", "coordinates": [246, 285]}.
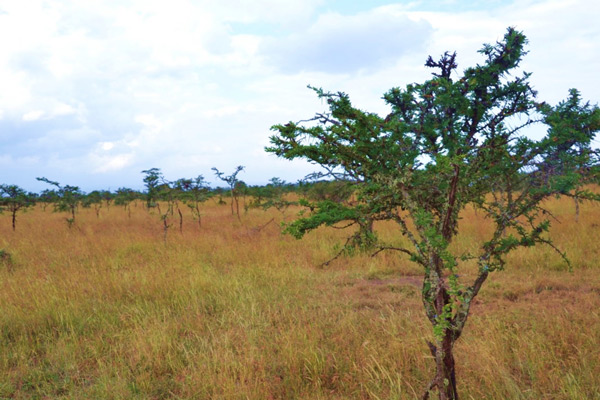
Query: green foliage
{"type": "Point", "coordinates": [159, 189]}
{"type": "Point", "coordinates": [15, 199]}
{"type": "Point", "coordinates": [234, 187]}
{"type": "Point", "coordinates": [193, 192]}
{"type": "Point", "coordinates": [449, 142]}
{"type": "Point", "coordinates": [93, 199]}
{"type": "Point", "coordinates": [272, 195]}
{"type": "Point", "coordinates": [152, 179]}
{"type": "Point", "coordinates": [67, 199]}
{"type": "Point", "coordinates": [338, 191]}
{"type": "Point", "coordinates": [124, 197]}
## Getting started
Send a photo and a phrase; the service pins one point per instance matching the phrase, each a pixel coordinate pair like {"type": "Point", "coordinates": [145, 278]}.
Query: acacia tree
{"type": "Point", "coordinates": [46, 197]}
{"type": "Point", "coordinates": [451, 141]}
{"type": "Point", "coordinates": [273, 195]}
{"type": "Point", "coordinates": [15, 199]}
{"type": "Point", "coordinates": [124, 197]}
{"type": "Point", "coordinates": [107, 196]}
{"type": "Point", "coordinates": [67, 199]}
{"type": "Point", "coordinates": [158, 188]}
{"type": "Point", "coordinates": [234, 188]}
{"type": "Point", "coordinates": [152, 179]}
{"type": "Point", "coordinates": [193, 192]}
{"type": "Point", "coordinates": [94, 199]}
{"type": "Point", "coordinates": [570, 122]}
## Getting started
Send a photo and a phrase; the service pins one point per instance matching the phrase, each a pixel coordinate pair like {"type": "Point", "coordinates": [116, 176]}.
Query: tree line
{"type": "Point", "coordinates": [169, 197]}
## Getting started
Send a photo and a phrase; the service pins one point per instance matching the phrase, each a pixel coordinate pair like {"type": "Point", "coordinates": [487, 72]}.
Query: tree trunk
{"type": "Point", "coordinates": [445, 375]}
{"type": "Point", "coordinates": [165, 228]}
{"type": "Point", "coordinates": [237, 207]}
{"type": "Point", "coordinates": [199, 218]}
{"type": "Point", "coordinates": [180, 220]}
{"type": "Point", "coordinates": [448, 372]}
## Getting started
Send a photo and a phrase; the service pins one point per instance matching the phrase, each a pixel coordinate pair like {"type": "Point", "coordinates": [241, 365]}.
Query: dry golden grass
{"type": "Point", "coordinates": [107, 310]}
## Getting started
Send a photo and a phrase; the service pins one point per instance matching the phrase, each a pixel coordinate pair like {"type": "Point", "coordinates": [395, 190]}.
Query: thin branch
{"type": "Point", "coordinates": [326, 263]}
{"type": "Point", "coordinates": [343, 227]}
{"type": "Point", "coordinates": [562, 254]}
{"type": "Point", "coordinates": [383, 248]}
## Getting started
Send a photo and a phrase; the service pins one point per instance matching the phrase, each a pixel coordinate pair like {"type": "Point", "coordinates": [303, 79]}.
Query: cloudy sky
{"type": "Point", "coordinates": [93, 92]}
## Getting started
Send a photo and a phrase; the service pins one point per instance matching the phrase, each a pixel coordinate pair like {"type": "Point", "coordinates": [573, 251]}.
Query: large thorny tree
{"type": "Point", "coordinates": [452, 141]}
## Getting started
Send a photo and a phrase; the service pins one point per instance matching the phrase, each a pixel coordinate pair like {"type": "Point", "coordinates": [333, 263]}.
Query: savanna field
{"type": "Point", "coordinates": [235, 310]}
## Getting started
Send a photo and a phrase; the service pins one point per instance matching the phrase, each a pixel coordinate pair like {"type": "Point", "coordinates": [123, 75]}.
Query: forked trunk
{"type": "Point", "coordinates": [445, 376]}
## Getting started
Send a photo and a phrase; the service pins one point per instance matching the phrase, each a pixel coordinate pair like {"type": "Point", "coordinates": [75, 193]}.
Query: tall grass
{"type": "Point", "coordinates": [107, 310]}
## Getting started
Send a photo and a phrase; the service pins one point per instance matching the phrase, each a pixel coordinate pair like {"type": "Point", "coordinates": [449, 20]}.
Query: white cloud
{"type": "Point", "coordinates": [106, 146]}
{"type": "Point", "coordinates": [346, 44]}
{"type": "Point", "coordinates": [111, 163]}
{"type": "Point", "coordinates": [288, 13]}
{"type": "Point", "coordinates": [33, 115]}
{"type": "Point", "coordinates": [221, 111]}
{"type": "Point", "coordinates": [149, 121]}
{"type": "Point", "coordinates": [62, 109]}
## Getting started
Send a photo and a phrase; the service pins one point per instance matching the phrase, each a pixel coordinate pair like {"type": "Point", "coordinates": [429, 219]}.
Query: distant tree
{"type": "Point", "coordinates": [107, 196]}
{"type": "Point", "coordinates": [159, 189]}
{"type": "Point", "coordinates": [232, 181]}
{"type": "Point", "coordinates": [152, 179]}
{"type": "Point", "coordinates": [241, 190]}
{"type": "Point", "coordinates": [93, 199]}
{"type": "Point", "coordinates": [273, 195]}
{"type": "Point", "coordinates": [15, 199]}
{"type": "Point", "coordinates": [67, 200]}
{"type": "Point", "coordinates": [169, 195]}
{"type": "Point", "coordinates": [337, 191]}
{"type": "Point", "coordinates": [447, 143]}
{"type": "Point", "coordinates": [193, 192]}
{"type": "Point", "coordinates": [569, 127]}
{"type": "Point", "coordinates": [46, 197]}
{"type": "Point", "coordinates": [124, 197]}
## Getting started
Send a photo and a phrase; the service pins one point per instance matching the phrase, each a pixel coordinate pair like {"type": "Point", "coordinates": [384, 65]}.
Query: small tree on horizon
{"type": "Point", "coordinates": [67, 199]}
{"type": "Point", "coordinates": [124, 197]}
{"type": "Point", "coordinates": [93, 199]}
{"type": "Point", "coordinates": [193, 192]}
{"type": "Point", "coordinates": [232, 181]}
{"type": "Point", "coordinates": [450, 142]}
{"type": "Point", "coordinates": [15, 199]}
{"type": "Point", "coordinates": [158, 188]}
{"type": "Point", "coordinates": [152, 179]}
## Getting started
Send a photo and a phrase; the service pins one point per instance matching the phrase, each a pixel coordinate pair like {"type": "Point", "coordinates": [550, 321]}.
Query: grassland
{"type": "Point", "coordinates": [107, 310]}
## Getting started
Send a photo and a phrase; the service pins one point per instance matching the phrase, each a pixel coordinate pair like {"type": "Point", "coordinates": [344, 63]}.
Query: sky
{"type": "Point", "coordinates": [93, 92]}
